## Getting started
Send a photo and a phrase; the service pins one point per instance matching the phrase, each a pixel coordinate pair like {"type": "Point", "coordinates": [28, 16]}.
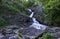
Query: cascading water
{"type": "Point", "coordinates": [35, 23]}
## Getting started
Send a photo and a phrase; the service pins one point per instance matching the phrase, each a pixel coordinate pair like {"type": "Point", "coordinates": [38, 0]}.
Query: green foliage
{"type": "Point", "coordinates": [19, 35]}
{"type": "Point", "coordinates": [18, 5]}
{"type": "Point", "coordinates": [52, 10]}
{"type": "Point", "coordinates": [3, 22]}
{"type": "Point", "coordinates": [14, 6]}
{"type": "Point", "coordinates": [47, 36]}
{"type": "Point", "coordinates": [11, 5]}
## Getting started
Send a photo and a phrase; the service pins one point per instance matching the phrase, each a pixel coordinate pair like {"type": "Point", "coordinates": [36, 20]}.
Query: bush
{"type": "Point", "coordinates": [47, 36]}
{"type": "Point", "coordinates": [52, 11]}
{"type": "Point", "coordinates": [3, 22]}
{"type": "Point", "coordinates": [13, 6]}
{"type": "Point", "coordinates": [18, 5]}
{"type": "Point", "coordinates": [52, 8]}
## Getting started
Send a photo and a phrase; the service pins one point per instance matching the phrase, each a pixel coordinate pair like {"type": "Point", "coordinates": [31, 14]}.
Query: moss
{"type": "Point", "coordinates": [47, 36]}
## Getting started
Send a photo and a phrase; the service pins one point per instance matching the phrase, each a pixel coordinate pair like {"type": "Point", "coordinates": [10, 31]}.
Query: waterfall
{"type": "Point", "coordinates": [32, 13]}
{"type": "Point", "coordinates": [35, 23]}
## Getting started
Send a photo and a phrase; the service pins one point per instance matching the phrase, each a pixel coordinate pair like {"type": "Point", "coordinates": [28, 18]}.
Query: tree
{"type": "Point", "coordinates": [52, 8]}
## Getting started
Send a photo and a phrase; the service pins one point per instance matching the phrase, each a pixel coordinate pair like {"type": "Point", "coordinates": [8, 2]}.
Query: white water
{"type": "Point", "coordinates": [31, 13]}
{"type": "Point", "coordinates": [36, 24]}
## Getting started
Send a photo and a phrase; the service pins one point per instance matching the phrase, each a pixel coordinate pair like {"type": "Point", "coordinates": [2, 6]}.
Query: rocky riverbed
{"type": "Point", "coordinates": [16, 32]}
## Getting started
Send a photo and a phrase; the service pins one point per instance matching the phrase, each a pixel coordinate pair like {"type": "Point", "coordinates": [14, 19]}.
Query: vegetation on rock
{"type": "Point", "coordinates": [48, 36]}
{"type": "Point", "coordinates": [3, 22]}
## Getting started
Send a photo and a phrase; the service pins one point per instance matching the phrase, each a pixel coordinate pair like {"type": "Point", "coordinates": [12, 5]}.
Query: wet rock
{"type": "Point", "coordinates": [31, 33]}
{"type": "Point", "coordinates": [55, 31]}
{"type": "Point", "coordinates": [9, 37]}
{"type": "Point", "coordinates": [13, 27]}
{"type": "Point", "coordinates": [58, 38]}
{"type": "Point", "coordinates": [9, 32]}
{"type": "Point", "coordinates": [23, 21]}
{"type": "Point", "coordinates": [1, 36]}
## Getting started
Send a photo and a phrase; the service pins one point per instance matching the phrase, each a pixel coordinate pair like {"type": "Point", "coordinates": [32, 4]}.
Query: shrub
{"type": "Point", "coordinates": [47, 36]}
{"type": "Point", "coordinates": [52, 11]}
{"type": "Point", "coordinates": [3, 22]}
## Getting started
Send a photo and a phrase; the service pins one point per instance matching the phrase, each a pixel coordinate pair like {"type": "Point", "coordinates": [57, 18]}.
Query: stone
{"type": "Point", "coordinates": [23, 21]}
{"type": "Point", "coordinates": [31, 33]}
{"type": "Point", "coordinates": [13, 27]}
{"type": "Point", "coordinates": [58, 38]}
{"type": "Point", "coordinates": [9, 32]}
{"type": "Point", "coordinates": [55, 31]}
{"type": "Point", "coordinates": [1, 36]}
{"type": "Point", "coordinates": [9, 37]}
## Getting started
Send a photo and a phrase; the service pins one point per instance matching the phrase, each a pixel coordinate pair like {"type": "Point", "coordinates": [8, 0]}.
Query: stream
{"type": "Point", "coordinates": [35, 23]}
